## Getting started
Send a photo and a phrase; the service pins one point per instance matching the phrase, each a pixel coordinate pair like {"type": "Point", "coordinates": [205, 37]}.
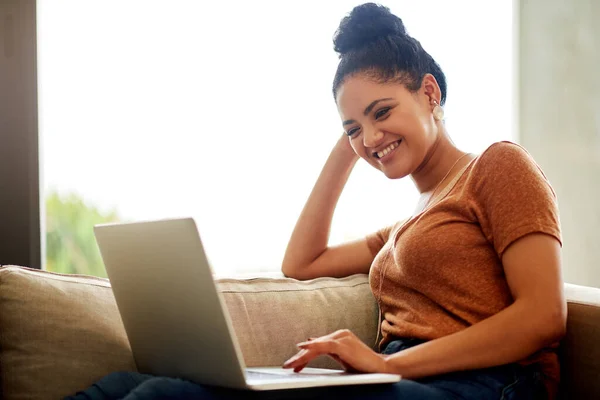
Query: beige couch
{"type": "Point", "coordinates": [60, 333]}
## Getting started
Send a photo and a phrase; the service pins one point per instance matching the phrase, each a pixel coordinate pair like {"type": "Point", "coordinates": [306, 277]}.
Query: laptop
{"type": "Point", "coordinates": [175, 318]}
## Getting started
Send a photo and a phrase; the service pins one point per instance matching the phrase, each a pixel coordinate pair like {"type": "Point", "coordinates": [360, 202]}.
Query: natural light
{"type": "Point", "coordinates": [223, 111]}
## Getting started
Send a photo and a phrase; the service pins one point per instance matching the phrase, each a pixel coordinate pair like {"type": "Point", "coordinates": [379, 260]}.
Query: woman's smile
{"type": "Point", "coordinates": [386, 154]}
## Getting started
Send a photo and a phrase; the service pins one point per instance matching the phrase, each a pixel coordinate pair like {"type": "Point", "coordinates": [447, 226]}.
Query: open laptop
{"type": "Point", "coordinates": [175, 318]}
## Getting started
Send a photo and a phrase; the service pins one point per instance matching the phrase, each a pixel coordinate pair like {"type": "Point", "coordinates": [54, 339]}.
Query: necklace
{"type": "Point", "coordinates": [387, 256]}
{"type": "Point", "coordinates": [443, 179]}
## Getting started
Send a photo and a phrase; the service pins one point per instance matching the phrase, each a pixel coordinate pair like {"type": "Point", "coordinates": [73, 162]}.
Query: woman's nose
{"type": "Point", "coordinates": [372, 138]}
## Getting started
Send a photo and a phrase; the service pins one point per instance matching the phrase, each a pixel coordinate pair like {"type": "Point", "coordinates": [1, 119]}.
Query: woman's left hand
{"type": "Point", "coordinates": [344, 347]}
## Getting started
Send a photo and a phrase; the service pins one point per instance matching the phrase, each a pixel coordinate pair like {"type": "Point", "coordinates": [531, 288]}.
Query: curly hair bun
{"type": "Point", "coordinates": [364, 25]}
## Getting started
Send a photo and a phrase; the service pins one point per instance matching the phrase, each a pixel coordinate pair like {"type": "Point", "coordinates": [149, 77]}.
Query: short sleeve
{"type": "Point", "coordinates": [376, 240]}
{"type": "Point", "coordinates": [513, 197]}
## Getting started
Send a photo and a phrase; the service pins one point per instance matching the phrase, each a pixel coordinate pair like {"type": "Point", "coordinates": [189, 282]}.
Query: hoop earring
{"type": "Point", "coordinates": [438, 111]}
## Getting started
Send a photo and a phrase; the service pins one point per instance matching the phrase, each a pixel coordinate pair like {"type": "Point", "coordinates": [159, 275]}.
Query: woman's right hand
{"type": "Point", "coordinates": [344, 147]}
{"type": "Point", "coordinates": [307, 255]}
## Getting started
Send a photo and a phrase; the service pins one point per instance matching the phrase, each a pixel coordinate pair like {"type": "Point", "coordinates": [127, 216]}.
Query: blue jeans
{"type": "Point", "coordinates": [509, 382]}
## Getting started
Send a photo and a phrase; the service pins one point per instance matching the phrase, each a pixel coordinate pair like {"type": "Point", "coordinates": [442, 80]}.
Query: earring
{"type": "Point", "coordinates": [438, 111]}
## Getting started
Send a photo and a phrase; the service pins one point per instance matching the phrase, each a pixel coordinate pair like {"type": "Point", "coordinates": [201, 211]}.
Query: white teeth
{"type": "Point", "coordinates": [387, 150]}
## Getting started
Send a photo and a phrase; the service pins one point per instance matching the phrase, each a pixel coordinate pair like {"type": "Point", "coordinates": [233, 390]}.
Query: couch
{"type": "Point", "coordinates": [60, 333]}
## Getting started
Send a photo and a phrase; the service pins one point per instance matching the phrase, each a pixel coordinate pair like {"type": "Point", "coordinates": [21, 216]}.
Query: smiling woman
{"type": "Point", "coordinates": [453, 281]}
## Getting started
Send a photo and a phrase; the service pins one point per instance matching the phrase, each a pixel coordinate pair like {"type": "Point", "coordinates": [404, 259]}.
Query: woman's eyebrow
{"type": "Point", "coordinates": [373, 104]}
{"type": "Point", "coordinates": [367, 110]}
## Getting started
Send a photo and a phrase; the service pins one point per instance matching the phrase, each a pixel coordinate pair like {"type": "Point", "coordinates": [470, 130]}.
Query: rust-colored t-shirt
{"type": "Point", "coordinates": [442, 269]}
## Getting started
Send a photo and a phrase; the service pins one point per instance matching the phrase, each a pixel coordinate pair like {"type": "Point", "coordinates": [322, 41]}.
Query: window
{"type": "Point", "coordinates": [223, 111]}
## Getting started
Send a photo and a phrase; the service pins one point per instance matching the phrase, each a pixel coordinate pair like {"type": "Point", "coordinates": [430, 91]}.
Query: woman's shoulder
{"type": "Point", "coordinates": [504, 157]}
{"type": "Point", "coordinates": [504, 152]}
{"type": "Point", "coordinates": [505, 165]}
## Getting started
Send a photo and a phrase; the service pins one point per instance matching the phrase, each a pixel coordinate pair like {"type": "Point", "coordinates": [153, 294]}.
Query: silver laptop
{"type": "Point", "coordinates": [175, 318]}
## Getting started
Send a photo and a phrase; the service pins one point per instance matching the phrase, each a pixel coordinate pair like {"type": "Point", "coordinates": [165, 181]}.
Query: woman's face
{"type": "Point", "coordinates": [390, 127]}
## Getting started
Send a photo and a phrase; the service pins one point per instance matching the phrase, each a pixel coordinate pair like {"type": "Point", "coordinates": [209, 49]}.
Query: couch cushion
{"type": "Point", "coordinates": [271, 315]}
{"type": "Point", "coordinates": [580, 352]}
{"type": "Point", "coordinates": [58, 333]}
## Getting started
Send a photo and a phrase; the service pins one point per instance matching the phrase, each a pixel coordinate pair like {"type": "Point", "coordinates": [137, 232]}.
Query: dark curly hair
{"type": "Point", "coordinates": [373, 41]}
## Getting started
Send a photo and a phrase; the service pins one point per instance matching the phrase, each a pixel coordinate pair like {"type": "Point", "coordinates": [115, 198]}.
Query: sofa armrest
{"type": "Point", "coordinates": [579, 350]}
{"type": "Point", "coordinates": [271, 315]}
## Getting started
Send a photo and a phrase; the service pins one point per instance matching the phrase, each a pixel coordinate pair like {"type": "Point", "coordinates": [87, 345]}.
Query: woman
{"type": "Point", "coordinates": [469, 287]}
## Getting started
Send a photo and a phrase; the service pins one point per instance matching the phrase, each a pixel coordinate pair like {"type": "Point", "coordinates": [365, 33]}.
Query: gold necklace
{"type": "Point", "coordinates": [443, 179]}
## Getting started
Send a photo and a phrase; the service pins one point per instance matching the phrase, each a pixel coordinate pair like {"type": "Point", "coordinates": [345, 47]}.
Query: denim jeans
{"type": "Point", "coordinates": [508, 382]}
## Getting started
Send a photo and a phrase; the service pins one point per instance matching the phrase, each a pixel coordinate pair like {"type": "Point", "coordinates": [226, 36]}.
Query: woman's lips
{"type": "Point", "coordinates": [389, 155]}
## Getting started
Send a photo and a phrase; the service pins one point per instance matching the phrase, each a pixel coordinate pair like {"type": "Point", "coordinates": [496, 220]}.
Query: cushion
{"type": "Point", "coordinates": [271, 315]}
{"type": "Point", "coordinates": [580, 352]}
{"type": "Point", "coordinates": [60, 333]}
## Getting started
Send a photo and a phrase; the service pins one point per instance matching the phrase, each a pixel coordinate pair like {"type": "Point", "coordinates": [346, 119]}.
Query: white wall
{"type": "Point", "coordinates": [559, 118]}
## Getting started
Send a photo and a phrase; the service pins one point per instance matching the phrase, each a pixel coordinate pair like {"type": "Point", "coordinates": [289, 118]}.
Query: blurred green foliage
{"type": "Point", "coordinates": [70, 243]}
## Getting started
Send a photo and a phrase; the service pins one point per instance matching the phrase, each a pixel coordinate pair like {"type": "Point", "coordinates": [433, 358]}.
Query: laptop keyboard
{"type": "Point", "coordinates": [273, 376]}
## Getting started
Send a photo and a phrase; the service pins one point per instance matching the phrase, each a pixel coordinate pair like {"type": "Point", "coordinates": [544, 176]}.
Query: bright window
{"type": "Point", "coordinates": [223, 111]}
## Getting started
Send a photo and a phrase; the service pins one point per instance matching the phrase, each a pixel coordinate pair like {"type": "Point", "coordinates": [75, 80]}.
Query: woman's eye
{"type": "Point", "coordinates": [381, 113]}
{"type": "Point", "coordinates": [352, 131]}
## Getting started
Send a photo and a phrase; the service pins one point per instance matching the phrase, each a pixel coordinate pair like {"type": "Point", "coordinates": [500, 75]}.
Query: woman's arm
{"type": "Point", "coordinates": [307, 255]}
{"type": "Point", "coordinates": [536, 319]}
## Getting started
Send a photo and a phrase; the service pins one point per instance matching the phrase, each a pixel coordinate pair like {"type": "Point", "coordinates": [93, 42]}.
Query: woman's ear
{"type": "Point", "coordinates": [431, 89]}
